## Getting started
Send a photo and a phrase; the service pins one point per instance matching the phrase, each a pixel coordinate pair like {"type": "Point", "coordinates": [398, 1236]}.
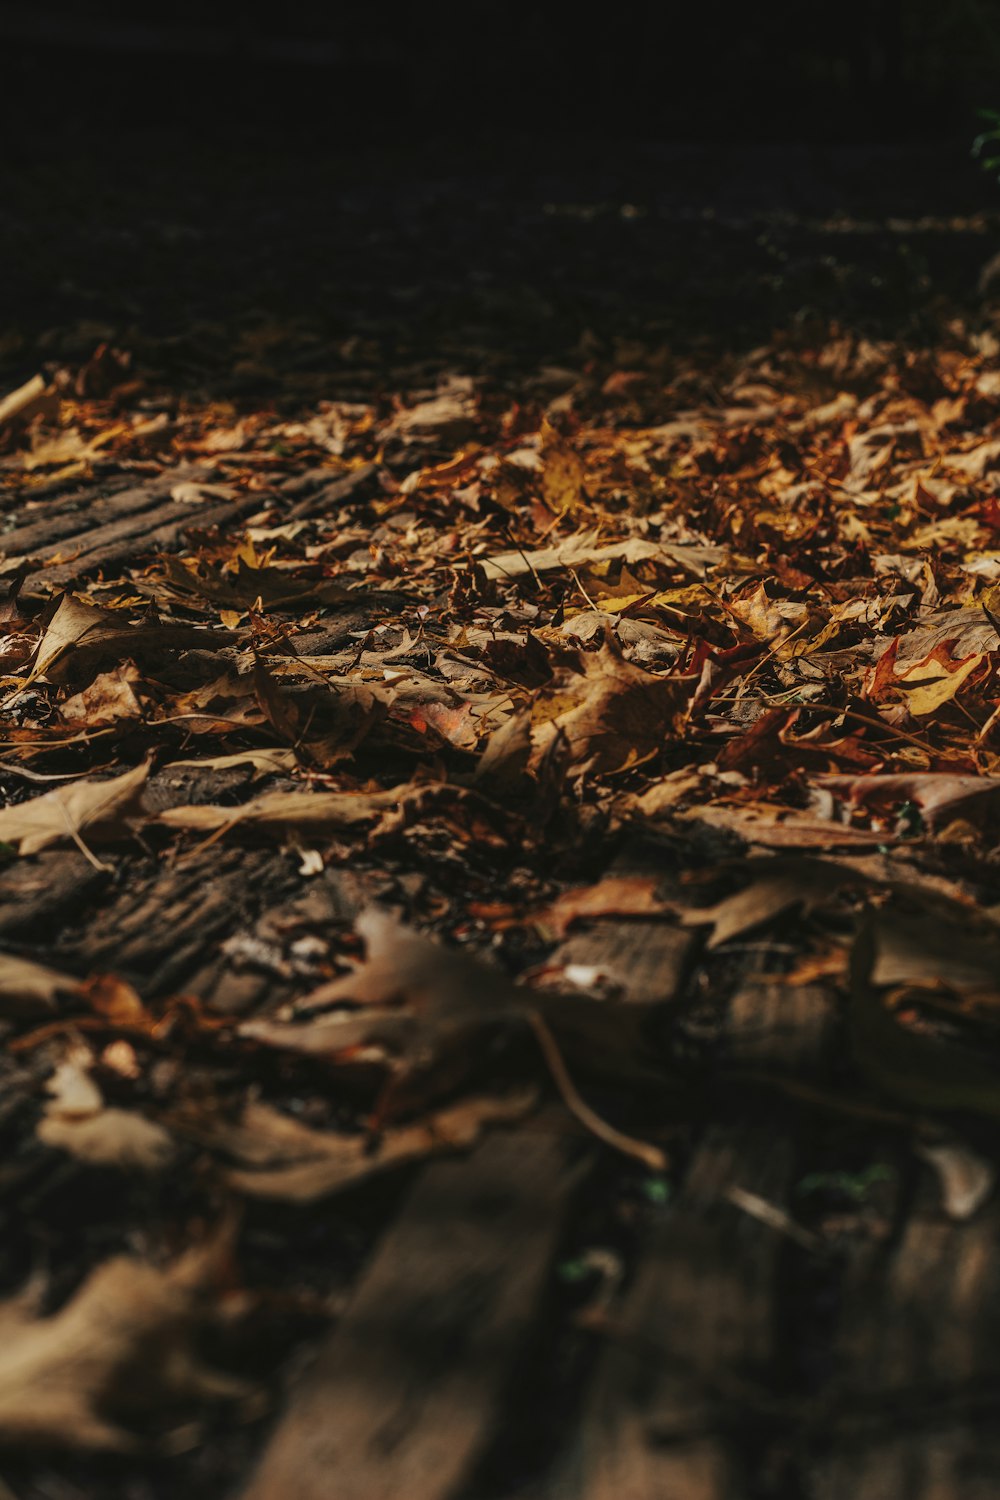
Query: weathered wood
{"type": "Point", "coordinates": [162, 529]}
{"type": "Point", "coordinates": [78, 512]}
{"type": "Point", "coordinates": [37, 893]}
{"type": "Point", "coordinates": [327, 496]}
{"type": "Point", "coordinates": [645, 960]}
{"type": "Point", "coordinates": [694, 1348]}
{"type": "Point", "coordinates": [406, 1394]}
{"type": "Point", "coordinates": [913, 1408]}
{"type": "Point", "coordinates": [163, 925]}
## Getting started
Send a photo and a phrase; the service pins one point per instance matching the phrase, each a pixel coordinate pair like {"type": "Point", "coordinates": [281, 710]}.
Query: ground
{"type": "Point", "coordinates": [499, 825]}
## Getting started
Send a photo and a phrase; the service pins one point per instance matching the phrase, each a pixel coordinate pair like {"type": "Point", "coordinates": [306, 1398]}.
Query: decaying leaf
{"type": "Point", "coordinates": [614, 896]}
{"type": "Point", "coordinates": [76, 1120]}
{"type": "Point", "coordinates": [27, 987]}
{"type": "Point", "coordinates": [120, 1349]}
{"type": "Point", "coordinates": [84, 809]}
{"type": "Point", "coordinates": [610, 715]}
{"type": "Point", "coordinates": [280, 1158]}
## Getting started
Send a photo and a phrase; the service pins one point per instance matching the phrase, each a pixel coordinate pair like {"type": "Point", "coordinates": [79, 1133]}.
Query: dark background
{"type": "Point", "coordinates": [361, 189]}
{"type": "Point", "coordinates": [852, 71]}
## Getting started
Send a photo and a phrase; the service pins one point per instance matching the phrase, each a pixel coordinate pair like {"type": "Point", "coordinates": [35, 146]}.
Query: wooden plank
{"type": "Point", "coordinates": [36, 894]}
{"type": "Point", "coordinates": [694, 1343]}
{"type": "Point", "coordinates": [78, 513]}
{"type": "Point", "coordinates": [405, 1395]}
{"type": "Point", "coordinates": [646, 960]}
{"type": "Point", "coordinates": [162, 529]}
{"type": "Point", "coordinates": [164, 923]}
{"type": "Point", "coordinates": [918, 1361]}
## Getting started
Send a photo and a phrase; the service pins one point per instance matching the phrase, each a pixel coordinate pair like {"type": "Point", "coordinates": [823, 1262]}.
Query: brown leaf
{"type": "Point", "coordinates": [274, 811]}
{"type": "Point", "coordinates": [27, 987]}
{"type": "Point", "coordinates": [934, 792]}
{"type": "Point", "coordinates": [563, 473]}
{"type": "Point", "coordinates": [94, 809]}
{"type": "Point", "coordinates": [284, 1160]}
{"type": "Point", "coordinates": [610, 715]}
{"type": "Point", "coordinates": [779, 885]}
{"type": "Point", "coordinates": [122, 1346]}
{"type": "Point", "coordinates": [615, 896]}
{"type": "Point", "coordinates": [111, 698]}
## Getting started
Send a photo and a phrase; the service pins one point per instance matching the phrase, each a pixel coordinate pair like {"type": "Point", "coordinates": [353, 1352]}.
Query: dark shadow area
{"type": "Point", "coordinates": [311, 204]}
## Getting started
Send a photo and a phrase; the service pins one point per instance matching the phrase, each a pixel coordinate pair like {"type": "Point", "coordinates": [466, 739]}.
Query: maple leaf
{"type": "Point", "coordinates": [610, 715]}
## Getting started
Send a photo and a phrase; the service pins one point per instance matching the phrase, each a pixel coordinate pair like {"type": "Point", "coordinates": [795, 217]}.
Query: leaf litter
{"type": "Point", "coordinates": [380, 734]}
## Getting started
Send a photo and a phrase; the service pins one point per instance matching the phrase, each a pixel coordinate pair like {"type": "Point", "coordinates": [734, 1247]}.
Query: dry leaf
{"type": "Point", "coordinates": [27, 987]}
{"type": "Point", "coordinates": [316, 811]}
{"type": "Point", "coordinates": [778, 886]}
{"type": "Point", "coordinates": [934, 792]}
{"type": "Point", "coordinates": [289, 1162]}
{"type": "Point", "coordinates": [111, 698]}
{"type": "Point", "coordinates": [615, 896]}
{"type": "Point", "coordinates": [123, 1346]}
{"type": "Point", "coordinates": [563, 473]}
{"type": "Point", "coordinates": [610, 715]}
{"type": "Point", "coordinates": [91, 809]}
{"type": "Point", "coordinates": [264, 762]}
{"type": "Point", "coordinates": [586, 548]}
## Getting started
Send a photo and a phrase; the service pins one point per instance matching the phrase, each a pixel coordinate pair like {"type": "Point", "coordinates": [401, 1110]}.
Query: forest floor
{"type": "Point", "coordinates": [500, 828]}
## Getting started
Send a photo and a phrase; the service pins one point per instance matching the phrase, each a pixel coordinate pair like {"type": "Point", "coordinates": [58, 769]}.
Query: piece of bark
{"type": "Point", "coordinates": [406, 1393]}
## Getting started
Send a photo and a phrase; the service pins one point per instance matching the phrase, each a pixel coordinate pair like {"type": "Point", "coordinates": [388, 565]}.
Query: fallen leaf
{"type": "Point", "coordinates": [97, 809]}
{"type": "Point", "coordinates": [121, 1347]}
{"type": "Point", "coordinates": [111, 698]}
{"type": "Point", "coordinates": [563, 473]}
{"type": "Point", "coordinates": [283, 1160]}
{"type": "Point", "coordinates": [315, 811]}
{"type": "Point", "coordinates": [777, 885]}
{"type": "Point", "coordinates": [934, 792]}
{"type": "Point", "coordinates": [615, 896]}
{"type": "Point", "coordinates": [27, 987]}
{"type": "Point", "coordinates": [610, 715]}
{"type": "Point", "coordinates": [263, 762]}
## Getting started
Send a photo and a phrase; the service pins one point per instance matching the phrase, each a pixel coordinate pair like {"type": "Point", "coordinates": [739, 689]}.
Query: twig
{"type": "Point", "coordinates": [651, 1156]}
